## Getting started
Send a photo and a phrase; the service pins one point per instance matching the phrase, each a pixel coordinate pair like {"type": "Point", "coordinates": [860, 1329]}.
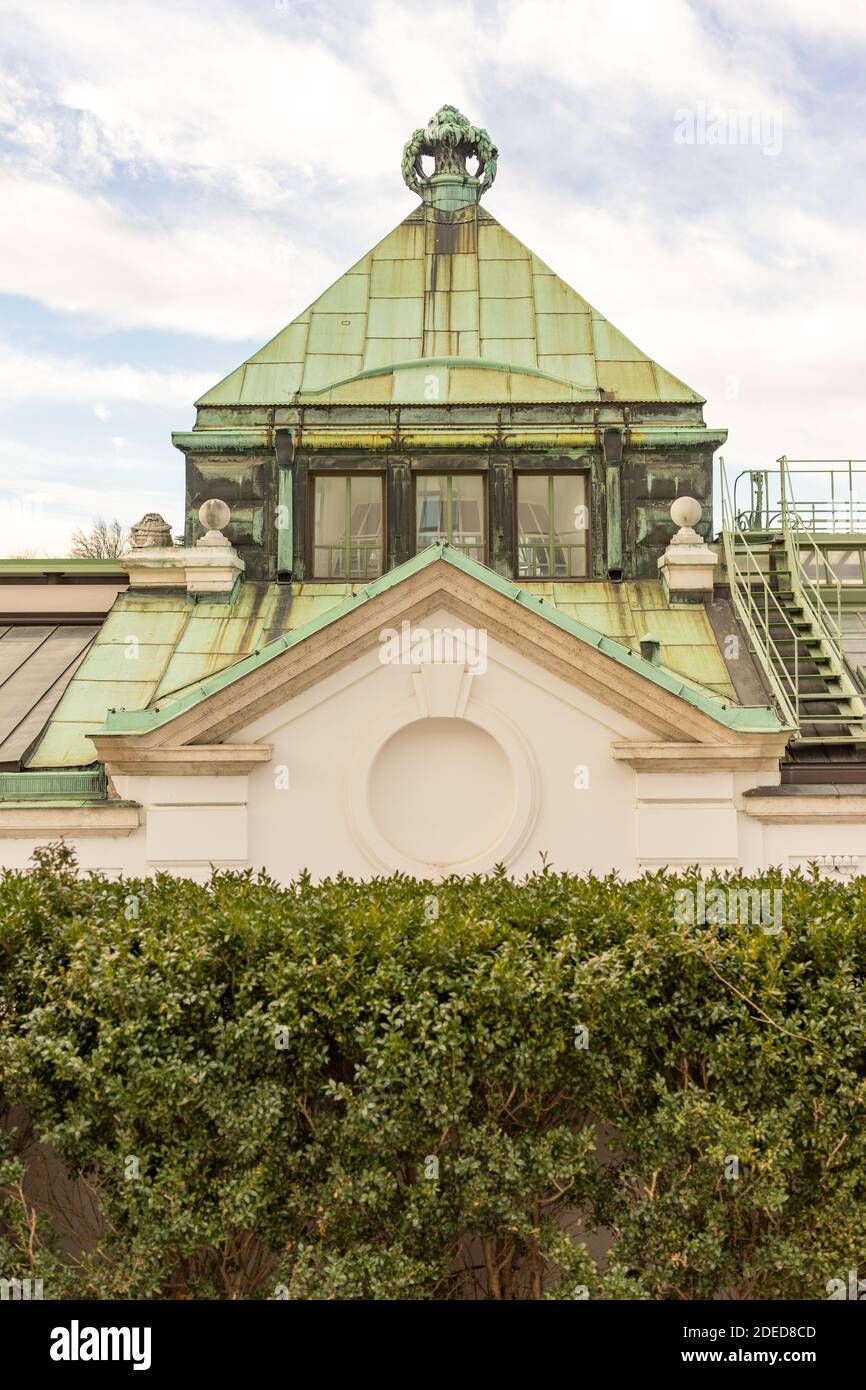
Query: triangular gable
{"type": "Point", "coordinates": [194, 733]}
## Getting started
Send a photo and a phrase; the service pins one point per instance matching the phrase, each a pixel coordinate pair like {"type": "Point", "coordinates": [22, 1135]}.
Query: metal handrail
{"type": "Point", "coordinates": [828, 514]}
{"type": "Point", "coordinates": [765, 511]}
{"type": "Point", "coordinates": [760, 514]}
{"type": "Point", "coordinates": [753, 604]}
{"type": "Point", "coordinates": [808, 593]}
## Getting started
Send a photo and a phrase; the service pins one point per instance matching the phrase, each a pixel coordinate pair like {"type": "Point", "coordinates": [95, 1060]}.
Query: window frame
{"type": "Point", "coordinates": [449, 474]}
{"type": "Point", "coordinates": [550, 473]}
{"type": "Point", "coordinates": [349, 474]}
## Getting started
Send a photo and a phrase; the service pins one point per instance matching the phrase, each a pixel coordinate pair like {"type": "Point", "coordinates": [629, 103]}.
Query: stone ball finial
{"type": "Point", "coordinates": [686, 512]}
{"type": "Point", "coordinates": [214, 515]}
{"type": "Point", "coordinates": [152, 531]}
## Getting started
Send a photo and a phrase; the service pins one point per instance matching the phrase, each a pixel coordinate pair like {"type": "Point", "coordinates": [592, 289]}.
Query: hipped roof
{"type": "Point", "coordinates": [455, 305]}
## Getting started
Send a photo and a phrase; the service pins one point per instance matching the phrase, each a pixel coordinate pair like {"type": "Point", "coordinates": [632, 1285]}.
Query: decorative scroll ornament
{"type": "Point", "coordinates": [449, 140]}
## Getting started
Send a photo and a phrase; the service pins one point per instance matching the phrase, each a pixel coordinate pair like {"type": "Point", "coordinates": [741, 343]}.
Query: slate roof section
{"type": "Point", "coordinates": [459, 290]}
{"type": "Point", "coordinates": [36, 665]}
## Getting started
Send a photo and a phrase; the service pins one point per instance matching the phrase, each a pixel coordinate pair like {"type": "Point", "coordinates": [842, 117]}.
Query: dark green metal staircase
{"type": "Point", "coordinates": [796, 645]}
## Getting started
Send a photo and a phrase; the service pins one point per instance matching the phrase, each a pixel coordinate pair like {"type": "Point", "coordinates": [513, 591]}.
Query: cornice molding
{"type": "Point", "coordinates": [806, 810]}
{"type": "Point", "coordinates": [753, 752]}
{"type": "Point", "coordinates": [131, 756]}
{"type": "Point", "coordinates": [28, 822]}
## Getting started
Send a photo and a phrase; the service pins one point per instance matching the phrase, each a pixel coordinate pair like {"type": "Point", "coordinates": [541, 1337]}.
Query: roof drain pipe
{"type": "Point", "coordinates": [612, 450]}
{"type": "Point", "coordinates": [284, 522]}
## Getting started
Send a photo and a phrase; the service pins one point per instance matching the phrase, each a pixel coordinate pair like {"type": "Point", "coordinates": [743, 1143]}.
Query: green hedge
{"type": "Point", "coordinates": [399, 1090]}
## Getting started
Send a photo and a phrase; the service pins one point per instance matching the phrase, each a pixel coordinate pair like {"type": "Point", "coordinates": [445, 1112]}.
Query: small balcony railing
{"type": "Point", "coordinates": [359, 560]}
{"type": "Point", "coordinates": [544, 561]}
{"type": "Point", "coordinates": [472, 546]}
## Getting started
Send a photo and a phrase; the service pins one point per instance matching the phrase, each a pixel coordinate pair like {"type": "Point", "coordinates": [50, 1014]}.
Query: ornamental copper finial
{"type": "Point", "coordinates": [449, 140]}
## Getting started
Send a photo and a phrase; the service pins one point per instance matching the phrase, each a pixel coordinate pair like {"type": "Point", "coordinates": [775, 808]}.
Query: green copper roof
{"type": "Point", "coordinates": [80, 783]}
{"type": "Point", "coordinates": [454, 287]}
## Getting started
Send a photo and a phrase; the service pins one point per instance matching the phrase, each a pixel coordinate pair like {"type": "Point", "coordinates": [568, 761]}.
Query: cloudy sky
{"type": "Point", "coordinates": [180, 178]}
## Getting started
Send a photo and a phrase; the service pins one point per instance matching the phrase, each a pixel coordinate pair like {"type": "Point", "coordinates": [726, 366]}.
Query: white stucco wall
{"type": "Point", "coordinates": [550, 736]}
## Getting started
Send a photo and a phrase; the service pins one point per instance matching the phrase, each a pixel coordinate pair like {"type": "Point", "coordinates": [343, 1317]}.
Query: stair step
{"type": "Point", "coordinates": [828, 697]}
{"type": "Point", "coordinates": [783, 595]}
{"type": "Point", "coordinates": [851, 741]}
{"type": "Point", "coordinates": [799, 643]}
{"type": "Point", "coordinates": [837, 718]}
{"type": "Point", "coordinates": [849, 705]}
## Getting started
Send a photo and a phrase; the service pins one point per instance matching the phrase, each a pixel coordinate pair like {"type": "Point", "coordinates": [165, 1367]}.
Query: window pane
{"type": "Point", "coordinates": [358, 555]}
{"type": "Point", "coordinates": [571, 524]}
{"type": "Point", "coordinates": [467, 514]}
{"type": "Point", "coordinates": [329, 533]}
{"type": "Point", "coordinates": [365, 551]}
{"type": "Point", "coordinates": [430, 510]}
{"type": "Point", "coordinates": [552, 526]}
{"type": "Point", "coordinates": [462, 523]}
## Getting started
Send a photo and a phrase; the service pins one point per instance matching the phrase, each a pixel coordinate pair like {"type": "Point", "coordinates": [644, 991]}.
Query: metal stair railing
{"type": "Point", "coordinates": [754, 603]}
{"type": "Point", "coordinates": [766, 500]}
{"type": "Point", "coordinates": [807, 592]}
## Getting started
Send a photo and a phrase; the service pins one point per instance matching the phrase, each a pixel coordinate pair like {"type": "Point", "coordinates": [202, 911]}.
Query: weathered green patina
{"type": "Point", "coordinates": [450, 339]}
{"type": "Point", "coordinates": [449, 140]}
{"type": "Point", "coordinates": [456, 289]}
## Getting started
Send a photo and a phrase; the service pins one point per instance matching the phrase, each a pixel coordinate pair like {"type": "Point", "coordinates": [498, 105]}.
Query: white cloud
{"type": "Point", "coordinates": [831, 22]}
{"type": "Point", "coordinates": [45, 495]}
{"type": "Point", "coordinates": [74, 380]}
{"type": "Point", "coordinates": [628, 54]}
{"type": "Point", "coordinates": [210, 169]}
{"type": "Point", "coordinates": [219, 94]}
{"type": "Point", "coordinates": [225, 277]}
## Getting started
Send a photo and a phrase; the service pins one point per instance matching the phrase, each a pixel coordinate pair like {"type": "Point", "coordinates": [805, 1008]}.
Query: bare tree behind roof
{"type": "Point", "coordinates": [105, 540]}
